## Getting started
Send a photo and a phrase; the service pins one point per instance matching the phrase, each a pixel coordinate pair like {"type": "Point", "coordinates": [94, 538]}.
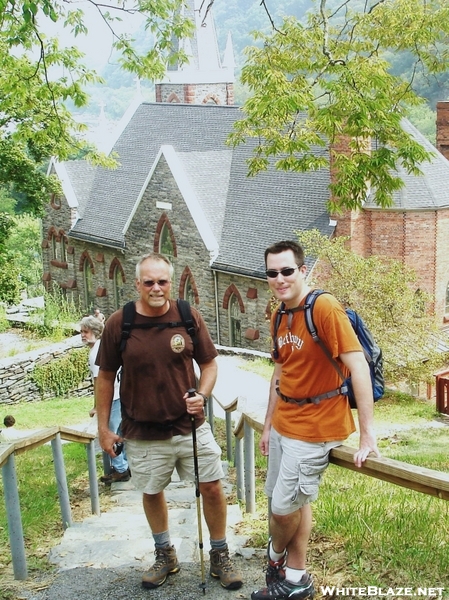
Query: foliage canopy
{"type": "Point", "coordinates": [312, 80]}
{"type": "Point", "coordinates": [314, 83]}
{"type": "Point", "coordinates": [386, 294]}
{"type": "Point", "coordinates": [39, 76]}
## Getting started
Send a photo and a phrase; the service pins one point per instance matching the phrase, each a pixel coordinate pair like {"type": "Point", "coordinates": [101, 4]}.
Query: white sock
{"type": "Point", "coordinates": [294, 575]}
{"type": "Point", "coordinates": [275, 556]}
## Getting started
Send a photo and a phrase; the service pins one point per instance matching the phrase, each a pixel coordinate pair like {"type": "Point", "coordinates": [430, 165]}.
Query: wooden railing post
{"type": "Point", "coordinates": [14, 517]}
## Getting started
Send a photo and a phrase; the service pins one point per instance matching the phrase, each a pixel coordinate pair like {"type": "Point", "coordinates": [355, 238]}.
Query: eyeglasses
{"type": "Point", "coordinates": [150, 283]}
{"type": "Point", "coordinates": [285, 272]}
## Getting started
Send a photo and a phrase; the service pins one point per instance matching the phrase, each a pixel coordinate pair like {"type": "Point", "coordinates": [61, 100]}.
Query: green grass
{"type": "Point", "coordinates": [370, 532]}
{"type": "Point", "coordinates": [380, 534]}
{"type": "Point", "coordinates": [39, 502]}
{"type": "Point", "coordinates": [260, 366]}
{"type": "Point", "coordinates": [46, 413]}
{"type": "Point", "coordinates": [366, 532]}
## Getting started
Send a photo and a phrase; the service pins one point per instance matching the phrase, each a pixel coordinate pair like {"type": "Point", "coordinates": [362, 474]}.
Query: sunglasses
{"type": "Point", "coordinates": [286, 272]}
{"type": "Point", "coordinates": [150, 283]}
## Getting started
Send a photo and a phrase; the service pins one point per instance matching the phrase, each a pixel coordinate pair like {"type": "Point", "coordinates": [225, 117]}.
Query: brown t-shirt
{"type": "Point", "coordinates": [157, 371]}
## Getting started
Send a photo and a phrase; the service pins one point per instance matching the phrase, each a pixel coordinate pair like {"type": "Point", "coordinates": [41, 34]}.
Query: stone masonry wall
{"type": "Point", "coordinates": [162, 204]}
{"type": "Point", "coordinates": [59, 260]}
{"type": "Point", "coordinates": [15, 383]}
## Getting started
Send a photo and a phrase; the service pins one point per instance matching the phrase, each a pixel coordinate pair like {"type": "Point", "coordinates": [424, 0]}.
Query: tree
{"type": "Point", "coordinates": [38, 77]}
{"type": "Point", "coordinates": [23, 250]}
{"type": "Point", "coordinates": [386, 295]}
{"type": "Point", "coordinates": [313, 84]}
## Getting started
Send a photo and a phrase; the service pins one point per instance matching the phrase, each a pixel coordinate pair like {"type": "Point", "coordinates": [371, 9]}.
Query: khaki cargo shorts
{"type": "Point", "coordinates": [294, 471]}
{"type": "Point", "coordinates": [153, 462]}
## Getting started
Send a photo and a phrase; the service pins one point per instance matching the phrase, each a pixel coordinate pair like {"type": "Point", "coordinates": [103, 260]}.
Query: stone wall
{"type": "Point", "coordinates": [15, 383]}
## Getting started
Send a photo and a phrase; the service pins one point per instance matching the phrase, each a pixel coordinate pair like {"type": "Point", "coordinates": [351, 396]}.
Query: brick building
{"type": "Point", "coordinates": [181, 190]}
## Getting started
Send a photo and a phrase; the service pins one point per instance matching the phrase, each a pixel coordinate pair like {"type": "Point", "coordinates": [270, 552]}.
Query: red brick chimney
{"type": "Point", "coordinates": [442, 140]}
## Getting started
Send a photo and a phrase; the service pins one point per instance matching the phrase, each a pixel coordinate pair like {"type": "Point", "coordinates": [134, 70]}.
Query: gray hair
{"type": "Point", "coordinates": [93, 324]}
{"type": "Point", "coordinates": [156, 257]}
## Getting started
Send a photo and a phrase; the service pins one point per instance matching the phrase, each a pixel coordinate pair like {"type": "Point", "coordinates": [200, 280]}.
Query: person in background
{"type": "Point", "coordinates": [299, 433]}
{"type": "Point", "coordinates": [91, 330]}
{"type": "Point", "coordinates": [99, 315]}
{"type": "Point", "coordinates": [158, 371]}
{"type": "Point", "coordinates": [9, 432]}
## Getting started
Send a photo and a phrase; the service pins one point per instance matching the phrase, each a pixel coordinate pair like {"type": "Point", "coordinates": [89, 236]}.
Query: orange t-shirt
{"type": "Point", "coordinates": [307, 372]}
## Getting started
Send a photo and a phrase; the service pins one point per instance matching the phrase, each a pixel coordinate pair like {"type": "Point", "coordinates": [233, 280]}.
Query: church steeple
{"type": "Point", "coordinates": [205, 78]}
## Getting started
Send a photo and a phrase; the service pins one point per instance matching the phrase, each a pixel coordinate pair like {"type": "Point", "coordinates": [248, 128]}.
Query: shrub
{"type": "Point", "coordinates": [62, 375]}
{"type": "Point", "coordinates": [57, 319]}
{"type": "Point", "coordinates": [10, 284]}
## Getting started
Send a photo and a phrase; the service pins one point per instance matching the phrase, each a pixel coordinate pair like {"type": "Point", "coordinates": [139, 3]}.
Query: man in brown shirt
{"type": "Point", "coordinates": [157, 370]}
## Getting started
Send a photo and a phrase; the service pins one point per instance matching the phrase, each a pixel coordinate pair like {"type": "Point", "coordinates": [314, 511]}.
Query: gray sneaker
{"type": "Point", "coordinates": [222, 568]}
{"type": "Point", "coordinates": [286, 590]}
{"type": "Point", "coordinates": [166, 563]}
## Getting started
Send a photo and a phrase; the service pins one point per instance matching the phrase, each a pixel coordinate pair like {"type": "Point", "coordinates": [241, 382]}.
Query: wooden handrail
{"type": "Point", "coordinates": [420, 479]}
{"type": "Point", "coordinates": [8, 450]}
{"type": "Point", "coordinates": [41, 437]}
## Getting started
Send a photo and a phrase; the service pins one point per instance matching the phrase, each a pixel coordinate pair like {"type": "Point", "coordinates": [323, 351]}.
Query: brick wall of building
{"type": "Point", "coordinates": [198, 93]}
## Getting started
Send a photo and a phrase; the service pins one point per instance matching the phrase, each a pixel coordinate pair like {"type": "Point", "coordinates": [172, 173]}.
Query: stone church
{"type": "Point", "coordinates": [181, 190]}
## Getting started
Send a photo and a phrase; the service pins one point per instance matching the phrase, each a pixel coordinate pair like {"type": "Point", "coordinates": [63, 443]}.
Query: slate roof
{"type": "Point", "coordinates": [188, 128]}
{"type": "Point", "coordinates": [245, 214]}
{"type": "Point", "coordinates": [428, 191]}
{"type": "Point", "coordinates": [82, 176]}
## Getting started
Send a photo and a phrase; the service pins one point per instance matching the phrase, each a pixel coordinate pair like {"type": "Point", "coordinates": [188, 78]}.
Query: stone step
{"type": "Point", "coordinates": [121, 537]}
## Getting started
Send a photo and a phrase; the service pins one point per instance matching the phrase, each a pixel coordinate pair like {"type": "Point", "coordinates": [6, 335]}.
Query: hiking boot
{"type": "Point", "coordinates": [166, 563]}
{"type": "Point", "coordinates": [274, 570]}
{"type": "Point", "coordinates": [286, 590]}
{"type": "Point", "coordinates": [222, 568]}
{"type": "Point", "coordinates": [115, 477]}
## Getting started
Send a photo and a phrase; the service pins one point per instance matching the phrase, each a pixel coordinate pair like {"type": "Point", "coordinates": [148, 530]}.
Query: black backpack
{"type": "Point", "coordinates": [129, 313]}
{"type": "Point", "coordinates": [371, 350]}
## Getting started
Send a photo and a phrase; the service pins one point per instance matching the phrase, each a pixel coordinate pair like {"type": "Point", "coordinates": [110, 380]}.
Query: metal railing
{"type": "Point", "coordinates": [427, 481]}
{"type": "Point", "coordinates": [8, 451]}
{"type": "Point", "coordinates": [420, 479]}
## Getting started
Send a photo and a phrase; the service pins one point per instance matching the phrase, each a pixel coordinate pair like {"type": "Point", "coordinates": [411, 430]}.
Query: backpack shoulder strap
{"type": "Point", "coordinates": [129, 313]}
{"type": "Point", "coordinates": [186, 316]}
{"type": "Point", "coordinates": [277, 321]}
{"type": "Point", "coordinates": [309, 303]}
{"type": "Point", "coordinates": [308, 315]}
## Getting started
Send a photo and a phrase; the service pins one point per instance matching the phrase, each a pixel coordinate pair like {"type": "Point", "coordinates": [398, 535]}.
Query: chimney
{"type": "Point", "coordinates": [442, 140]}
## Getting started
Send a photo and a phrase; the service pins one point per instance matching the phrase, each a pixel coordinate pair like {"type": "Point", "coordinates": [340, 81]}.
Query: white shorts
{"type": "Point", "coordinates": [294, 471]}
{"type": "Point", "coordinates": [152, 462]}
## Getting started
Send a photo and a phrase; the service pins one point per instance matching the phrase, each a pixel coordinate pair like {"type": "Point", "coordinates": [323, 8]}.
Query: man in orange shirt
{"type": "Point", "coordinates": [298, 434]}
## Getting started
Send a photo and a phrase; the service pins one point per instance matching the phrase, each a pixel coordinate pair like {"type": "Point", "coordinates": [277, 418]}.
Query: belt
{"type": "Point", "coordinates": [313, 399]}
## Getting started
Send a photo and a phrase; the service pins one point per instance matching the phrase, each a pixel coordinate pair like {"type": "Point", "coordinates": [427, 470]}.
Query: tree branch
{"type": "Point", "coordinates": [262, 3]}
{"type": "Point", "coordinates": [326, 51]}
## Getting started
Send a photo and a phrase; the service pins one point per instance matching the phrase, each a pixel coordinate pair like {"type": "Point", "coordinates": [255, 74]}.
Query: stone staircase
{"type": "Point", "coordinates": [104, 557]}
{"type": "Point", "coordinates": [121, 537]}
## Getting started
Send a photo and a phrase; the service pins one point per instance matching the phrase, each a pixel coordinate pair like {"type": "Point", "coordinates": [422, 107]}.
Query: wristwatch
{"type": "Point", "coordinates": [205, 398]}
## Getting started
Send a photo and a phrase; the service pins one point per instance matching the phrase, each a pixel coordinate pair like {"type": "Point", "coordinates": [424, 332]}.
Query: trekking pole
{"type": "Point", "coordinates": [192, 393]}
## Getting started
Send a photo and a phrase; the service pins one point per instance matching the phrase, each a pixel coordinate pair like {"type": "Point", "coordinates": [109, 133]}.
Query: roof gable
{"type": "Point", "coordinates": [427, 191]}
{"type": "Point", "coordinates": [242, 214]}
{"type": "Point", "coordinates": [181, 177]}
